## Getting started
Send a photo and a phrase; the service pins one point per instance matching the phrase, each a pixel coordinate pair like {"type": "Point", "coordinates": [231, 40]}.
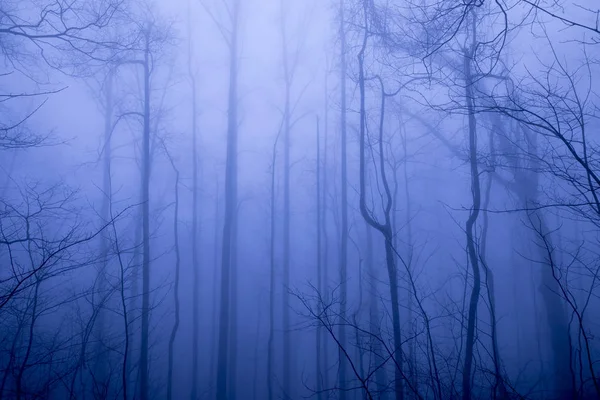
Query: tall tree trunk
{"type": "Point", "coordinates": [343, 257]}
{"type": "Point", "coordinates": [101, 361]}
{"type": "Point", "coordinates": [359, 347]}
{"type": "Point", "coordinates": [319, 341]}
{"type": "Point", "coordinates": [233, 316]}
{"type": "Point", "coordinates": [230, 215]}
{"type": "Point", "coordinates": [374, 318]}
{"type": "Point", "coordinates": [215, 294]}
{"type": "Point", "coordinates": [287, 328]}
{"type": "Point", "coordinates": [323, 227]}
{"type": "Point", "coordinates": [144, 372]}
{"type": "Point", "coordinates": [126, 319]}
{"type": "Point", "coordinates": [412, 345]}
{"type": "Point", "coordinates": [175, 287]}
{"type": "Point", "coordinates": [470, 225]}
{"type": "Point", "coordinates": [256, 353]}
{"type": "Point", "coordinates": [134, 297]}
{"type": "Point", "coordinates": [271, 341]}
{"type": "Point", "coordinates": [384, 228]}
{"type": "Point", "coordinates": [499, 387]}
{"type": "Point", "coordinates": [195, 241]}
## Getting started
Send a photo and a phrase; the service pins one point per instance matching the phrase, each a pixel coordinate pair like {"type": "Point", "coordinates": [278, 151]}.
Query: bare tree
{"type": "Point", "coordinates": [195, 242]}
{"type": "Point", "coordinates": [175, 328]}
{"type": "Point", "coordinates": [230, 32]}
{"type": "Point", "coordinates": [272, 273]}
{"type": "Point", "coordinates": [384, 228]}
{"type": "Point", "coordinates": [319, 261]}
{"type": "Point", "coordinates": [71, 39]}
{"type": "Point", "coordinates": [288, 76]}
{"type": "Point", "coordinates": [343, 257]}
{"type": "Point", "coordinates": [549, 141]}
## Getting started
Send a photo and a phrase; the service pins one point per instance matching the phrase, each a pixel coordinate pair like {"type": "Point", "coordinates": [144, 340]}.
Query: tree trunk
{"type": "Point", "coordinates": [412, 345]}
{"type": "Point", "coordinates": [287, 328]}
{"type": "Point", "coordinates": [144, 372]}
{"type": "Point", "coordinates": [175, 287]}
{"type": "Point", "coordinates": [323, 227]}
{"type": "Point", "coordinates": [343, 258]}
{"type": "Point", "coordinates": [230, 215]}
{"type": "Point", "coordinates": [499, 387]}
{"type": "Point", "coordinates": [215, 295]}
{"type": "Point", "coordinates": [385, 228]}
{"type": "Point", "coordinates": [271, 340]}
{"type": "Point", "coordinates": [233, 316]}
{"type": "Point", "coordinates": [319, 341]}
{"type": "Point", "coordinates": [374, 318]}
{"type": "Point", "coordinates": [101, 361]}
{"type": "Point", "coordinates": [195, 241]}
{"type": "Point", "coordinates": [470, 228]}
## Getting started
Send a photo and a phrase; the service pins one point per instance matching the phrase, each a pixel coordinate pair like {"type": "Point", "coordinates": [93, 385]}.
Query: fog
{"type": "Point", "coordinates": [290, 199]}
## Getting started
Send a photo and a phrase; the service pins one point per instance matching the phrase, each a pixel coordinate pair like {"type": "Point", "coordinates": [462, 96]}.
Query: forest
{"type": "Point", "coordinates": [299, 199]}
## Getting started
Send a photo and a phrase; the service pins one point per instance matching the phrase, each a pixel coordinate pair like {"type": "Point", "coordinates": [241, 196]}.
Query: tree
{"type": "Point", "coordinates": [151, 40]}
{"type": "Point", "coordinates": [384, 228]}
{"type": "Point", "coordinates": [175, 328]}
{"type": "Point", "coordinates": [288, 76]}
{"type": "Point", "coordinates": [319, 262]}
{"type": "Point", "coordinates": [559, 116]}
{"type": "Point", "coordinates": [195, 242]}
{"type": "Point", "coordinates": [55, 34]}
{"type": "Point", "coordinates": [272, 283]}
{"type": "Point", "coordinates": [231, 36]}
{"type": "Point", "coordinates": [343, 258]}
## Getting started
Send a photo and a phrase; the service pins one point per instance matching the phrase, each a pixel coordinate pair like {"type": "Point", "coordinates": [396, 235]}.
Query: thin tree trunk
{"type": "Point", "coordinates": [271, 340]}
{"type": "Point", "coordinates": [175, 287]}
{"type": "Point", "coordinates": [499, 387]}
{"type": "Point", "coordinates": [195, 260]}
{"type": "Point", "coordinates": [470, 226]}
{"type": "Point", "coordinates": [195, 241]}
{"type": "Point", "coordinates": [412, 345]}
{"type": "Point", "coordinates": [385, 228]}
{"type": "Point", "coordinates": [256, 353]}
{"type": "Point", "coordinates": [134, 298]}
{"type": "Point", "coordinates": [215, 300]}
{"type": "Point", "coordinates": [230, 217]}
{"type": "Point", "coordinates": [343, 258]}
{"type": "Point", "coordinates": [124, 372]}
{"type": "Point", "coordinates": [123, 300]}
{"type": "Point", "coordinates": [319, 356]}
{"type": "Point", "coordinates": [287, 328]}
{"type": "Point", "coordinates": [144, 368]}
{"type": "Point", "coordinates": [360, 354]}
{"type": "Point", "coordinates": [374, 318]}
{"type": "Point", "coordinates": [233, 313]}
{"type": "Point", "coordinates": [101, 365]}
{"type": "Point", "coordinates": [323, 228]}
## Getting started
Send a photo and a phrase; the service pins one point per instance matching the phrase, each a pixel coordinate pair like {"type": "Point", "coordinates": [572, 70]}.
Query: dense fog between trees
{"type": "Point", "coordinates": [289, 199]}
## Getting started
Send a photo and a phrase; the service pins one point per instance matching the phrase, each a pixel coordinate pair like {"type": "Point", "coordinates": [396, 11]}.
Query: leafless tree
{"type": "Point", "coordinates": [230, 30]}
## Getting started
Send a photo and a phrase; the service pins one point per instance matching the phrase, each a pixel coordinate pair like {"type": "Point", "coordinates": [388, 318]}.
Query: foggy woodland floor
{"type": "Point", "coordinates": [290, 199]}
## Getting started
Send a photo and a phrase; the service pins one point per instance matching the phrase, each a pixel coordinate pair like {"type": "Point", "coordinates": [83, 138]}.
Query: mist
{"type": "Point", "coordinates": [291, 199]}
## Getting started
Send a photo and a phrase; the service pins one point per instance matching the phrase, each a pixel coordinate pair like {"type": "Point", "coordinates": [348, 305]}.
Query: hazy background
{"type": "Point", "coordinates": [540, 317]}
